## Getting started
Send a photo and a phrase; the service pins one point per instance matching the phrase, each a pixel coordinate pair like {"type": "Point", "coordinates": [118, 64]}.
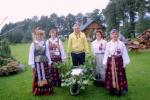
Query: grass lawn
{"type": "Point", "coordinates": [18, 87]}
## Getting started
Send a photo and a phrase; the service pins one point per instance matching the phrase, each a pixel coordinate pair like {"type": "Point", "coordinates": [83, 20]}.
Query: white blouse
{"type": "Point", "coordinates": [31, 53]}
{"type": "Point", "coordinates": [116, 48]}
{"type": "Point", "coordinates": [98, 46]}
{"type": "Point", "coordinates": [55, 41]}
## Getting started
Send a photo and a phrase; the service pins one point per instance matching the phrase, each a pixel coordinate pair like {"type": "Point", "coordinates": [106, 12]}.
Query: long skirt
{"type": "Point", "coordinates": [45, 89]}
{"type": "Point", "coordinates": [55, 74]}
{"type": "Point", "coordinates": [100, 69]}
{"type": "Point", "coordinates": [115, 78]}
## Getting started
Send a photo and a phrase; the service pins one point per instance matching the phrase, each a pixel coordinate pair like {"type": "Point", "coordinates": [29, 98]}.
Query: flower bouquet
{"type": "Point", "coordinates": [79, 77]}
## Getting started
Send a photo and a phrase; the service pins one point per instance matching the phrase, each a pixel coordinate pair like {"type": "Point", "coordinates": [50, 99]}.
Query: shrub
{"type": "Point", "coordinates": [4, 49]}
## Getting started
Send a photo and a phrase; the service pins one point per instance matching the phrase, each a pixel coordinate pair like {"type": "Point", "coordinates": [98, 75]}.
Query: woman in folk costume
{"type": "Point", "coordinates": [98, 49]}
{"type": "Point", "coordinates": [40, 62]}
{"type": "Point", "coordinates": [57, 54]}
{"type": "Point", "coordinates": [116, 58]}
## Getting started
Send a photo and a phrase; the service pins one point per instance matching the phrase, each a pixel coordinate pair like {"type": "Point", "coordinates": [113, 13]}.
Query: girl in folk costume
{"type": "Point", "coordinates": [57, 54]}
{"type": "Point", "coordinates": [98, 49]}
{"type": "Point", "coordinates": [40, 62]}
{"type": "Point", "coordinates": [116, 58]}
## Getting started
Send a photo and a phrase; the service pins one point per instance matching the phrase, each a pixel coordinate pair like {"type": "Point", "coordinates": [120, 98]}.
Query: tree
{"type": "Point", "coordinates": [111, 16]}
{"type": "Point", "coordinates": [79, 17]}
{"type": "Point", "coordinates": [97, 16]}
{"type": "Point", "coordinates": [126, 15]}
{"type": "Point", "coordinates": [70, 21]}
{"type": "Point", "coordinates": [15, 36]}
{"type": "Point", "coordinates": [5, 49]}
{"type": "Point", "coordinates": [142, 25]}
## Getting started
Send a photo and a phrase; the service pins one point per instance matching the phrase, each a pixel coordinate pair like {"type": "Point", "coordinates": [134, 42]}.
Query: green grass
{"type": "Point", "coordinates": [18, 87]}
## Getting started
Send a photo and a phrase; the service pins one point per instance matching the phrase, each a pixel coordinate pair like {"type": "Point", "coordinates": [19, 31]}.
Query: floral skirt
{"type": "Point", "coordinates": [46, 87]}
{"type": "Point", "coordinates": [115, 79]}
{"type": "Point", "coordinates": [55, 74]}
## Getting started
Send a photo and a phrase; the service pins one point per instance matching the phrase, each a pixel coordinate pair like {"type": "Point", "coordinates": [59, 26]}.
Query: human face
{"type": "Point", "coordinates": [98, 35]}
{"type": "Point", "coordinates": [53, 34]}
{"type": "Point", "coordinates": [76, 28]}
{"type": "Point", "coordinates": [114, 36]}
{"type": "Point", "coordinates": [39, 37]}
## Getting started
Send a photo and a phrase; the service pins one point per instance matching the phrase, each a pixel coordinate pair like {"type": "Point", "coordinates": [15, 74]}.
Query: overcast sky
{"type": "Point", "coordinates": [17, 10]}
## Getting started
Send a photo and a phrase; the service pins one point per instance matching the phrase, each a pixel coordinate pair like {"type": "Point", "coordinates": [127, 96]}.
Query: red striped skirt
{"type": "Point", "coordinates": [45, 89]}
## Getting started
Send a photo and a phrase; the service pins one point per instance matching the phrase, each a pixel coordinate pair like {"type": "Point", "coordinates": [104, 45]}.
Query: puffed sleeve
{"type": "Point", "coordinates": [48, 53]}
{"type": "Point", "coordinates": [125, 56]}
{"type": "Point", "coordinates": [31, 55]}
{"type": "Point", "coordinates": [63, 56]}
{"type": "Point", "coordinates": [106, 54]}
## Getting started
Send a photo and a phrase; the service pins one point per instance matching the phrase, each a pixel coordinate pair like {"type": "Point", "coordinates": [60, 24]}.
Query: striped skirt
{"type": "Point", "coordinates": [42, 87]}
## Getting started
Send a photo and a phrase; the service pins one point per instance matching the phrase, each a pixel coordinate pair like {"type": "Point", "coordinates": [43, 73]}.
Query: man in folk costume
{"type": "Point", "coordinates": [116, 58]}
{"type": "Point", "coordinates": [57, 54]}
{"type": "Point", "coordinates": [77, 46]}
{"type": "Point", "coordinates": [40, 62]}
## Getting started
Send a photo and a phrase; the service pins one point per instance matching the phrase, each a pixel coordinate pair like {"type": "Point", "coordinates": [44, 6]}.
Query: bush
{"type": "Point", "coordinates": [4, 49]}
{"type": "Point", "coordinates": [63, 39]}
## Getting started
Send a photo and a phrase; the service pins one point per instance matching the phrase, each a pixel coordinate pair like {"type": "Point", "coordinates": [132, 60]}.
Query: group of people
{"type": "Point", "coordinates": [111, 59]}
{"type": "Point", "coordinates": [42, 56]}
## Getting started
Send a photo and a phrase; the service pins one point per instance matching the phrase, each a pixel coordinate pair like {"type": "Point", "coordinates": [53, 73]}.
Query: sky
{"type": "Point", "coordinates": [18, 10]}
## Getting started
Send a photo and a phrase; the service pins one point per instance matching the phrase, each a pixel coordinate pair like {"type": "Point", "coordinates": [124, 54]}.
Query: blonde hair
{"type": "Point", "coordinates": [37, 31]}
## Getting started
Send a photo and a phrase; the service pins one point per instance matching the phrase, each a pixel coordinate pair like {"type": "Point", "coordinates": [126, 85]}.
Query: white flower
{"type": "Point", "coordinates": [76, 71]}
{"type": "Point", "coordinates": [85, 82]}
